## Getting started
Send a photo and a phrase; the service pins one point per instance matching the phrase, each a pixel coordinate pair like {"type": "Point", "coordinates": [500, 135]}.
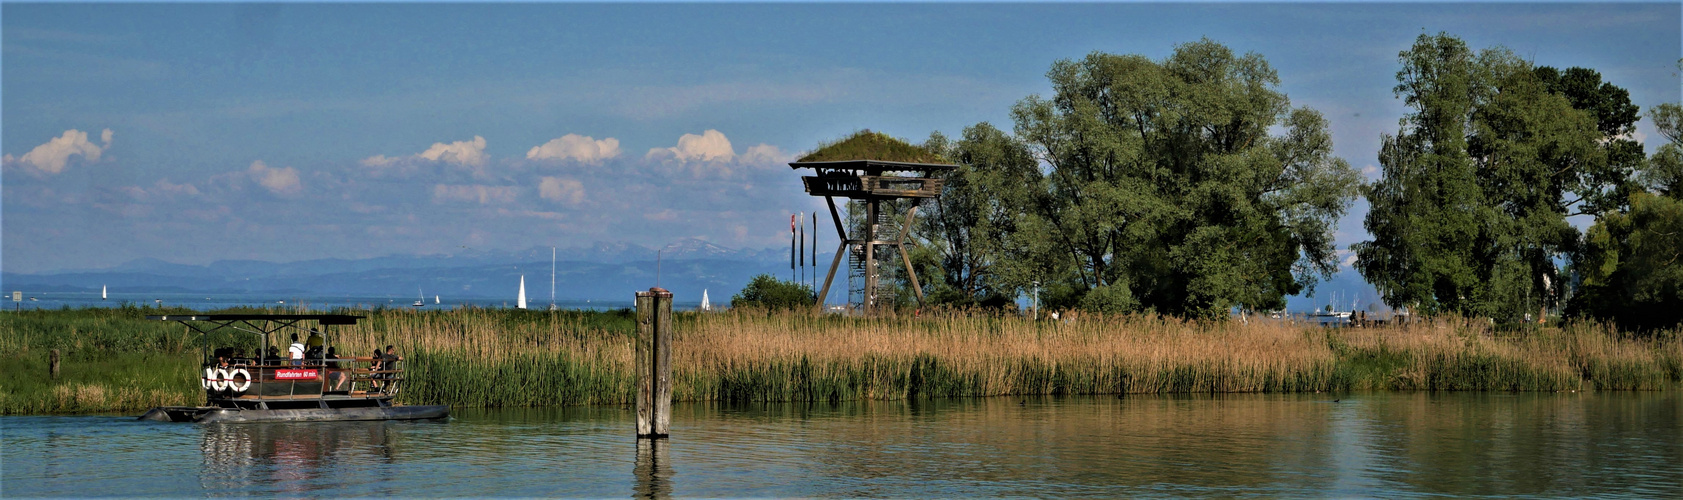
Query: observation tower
{"type": "Point", "coordinates": [872, 168]}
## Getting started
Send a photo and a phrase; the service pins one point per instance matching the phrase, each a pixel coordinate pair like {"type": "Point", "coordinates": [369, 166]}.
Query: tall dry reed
{"type": "Point", "coordinates": [486, 357]}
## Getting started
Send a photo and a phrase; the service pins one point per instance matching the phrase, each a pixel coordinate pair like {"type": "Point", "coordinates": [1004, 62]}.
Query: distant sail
{"type": "Point", "coordinates": [435, 299]}
{"type": "Point", "coordinates": [705, 304]}
{"type": "Point", "coordinates": [102, 292]}
{"type": "Point", "coordinates": [522, 302]}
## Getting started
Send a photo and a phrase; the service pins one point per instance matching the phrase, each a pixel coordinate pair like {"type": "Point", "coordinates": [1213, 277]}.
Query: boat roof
{"type": "Point", "coordinates": [325, 319]}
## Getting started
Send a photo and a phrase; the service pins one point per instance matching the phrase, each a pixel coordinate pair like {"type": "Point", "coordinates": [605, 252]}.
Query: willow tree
{"type": "Point", "coordinates": [963, 236]}
{"type": "Point", "coordinates": [1470, 213]}
{"type": "Point", "coordinates": [1631, 267]}
{"type": "Point", "coordinates": [1161, 187]}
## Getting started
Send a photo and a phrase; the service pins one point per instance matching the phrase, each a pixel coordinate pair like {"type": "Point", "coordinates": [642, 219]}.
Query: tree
{"type": "Point", "coordinates": [1470, 213]}
{"type": "Point", "coordinates": [1631, 268]}
{"type": "Point", "coordinates": [1604, 185]}
{"type": "Point", "coordinates": [1664, 173]}
{"type": "Point", "coordinates": [1160, 186]}
{"type": "Point", "coordinates": [961, 233]}
{"type": "Point", "coordinates": [772, 293]}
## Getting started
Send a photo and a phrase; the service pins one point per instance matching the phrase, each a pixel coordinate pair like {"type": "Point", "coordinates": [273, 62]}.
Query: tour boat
{"type": "Point", "coordinates": [262, 387]}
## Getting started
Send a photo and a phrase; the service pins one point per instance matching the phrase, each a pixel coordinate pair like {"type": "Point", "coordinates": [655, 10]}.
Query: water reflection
{"type": "Point", "coordinates": [292, 458]}
{"type": "Point", "coordinates": [1384, 444]}
{"type": "Point", "coordinates": [654, 469]}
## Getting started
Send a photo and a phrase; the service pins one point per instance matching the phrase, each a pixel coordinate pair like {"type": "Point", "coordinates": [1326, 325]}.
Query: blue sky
{"type": "Point", "coordinates": [300, 131]}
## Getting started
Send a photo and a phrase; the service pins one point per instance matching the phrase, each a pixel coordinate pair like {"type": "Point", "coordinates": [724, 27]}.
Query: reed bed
{"type": "Point", "coordinates": [492, 357]}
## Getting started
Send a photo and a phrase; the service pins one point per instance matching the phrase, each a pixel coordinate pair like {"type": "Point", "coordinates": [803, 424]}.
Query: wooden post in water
{"type": "Point", "coordinates": [654, 363]}
{"type": "Point", "coordinates": [52, 363]}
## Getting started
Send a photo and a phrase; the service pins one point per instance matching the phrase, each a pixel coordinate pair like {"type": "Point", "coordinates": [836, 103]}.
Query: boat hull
{"type": "Point", "coordinates": [207, 415]}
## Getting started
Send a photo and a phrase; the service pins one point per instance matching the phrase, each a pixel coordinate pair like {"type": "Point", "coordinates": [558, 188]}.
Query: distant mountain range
{"type": "Point", "coordinates": [600, 271]}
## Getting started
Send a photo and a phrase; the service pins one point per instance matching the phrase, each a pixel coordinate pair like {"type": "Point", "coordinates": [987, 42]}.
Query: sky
{"type": "Point", "coordinates": [200, 132]}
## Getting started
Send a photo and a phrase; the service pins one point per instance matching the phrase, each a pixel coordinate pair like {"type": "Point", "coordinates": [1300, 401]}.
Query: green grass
{"type": "Point", "coordinates": [95, 384]}
{"type": "Point", "coordinates": [868, 145]}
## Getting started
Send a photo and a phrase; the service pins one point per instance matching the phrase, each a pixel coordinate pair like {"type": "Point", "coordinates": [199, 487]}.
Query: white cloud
{"type": "Point", "coordinates": [711, 155]}
{"type": "Point", "coordinates": [466, 153]}
{"type": "Point", "coordinates": [379, 160]}
{"type": "Point", "coordinates": [482, 194]}
{"type": "Point", "coordinates": [561, 189]}
{"type": "Point", "coordinates": [576, 147]}
{"type": "Point", "coordinates": [52, 157]}
{"type": "Point", "coordinates": [711, 145]}
{"type": "Point", "coordinates": [471, 153]}
{"type": "Point", "coordinates": [1370, 171]}
{"type": "Point", "coordinates": [282, 181]}
{"type": "Point", "coordinates": [766, 154]}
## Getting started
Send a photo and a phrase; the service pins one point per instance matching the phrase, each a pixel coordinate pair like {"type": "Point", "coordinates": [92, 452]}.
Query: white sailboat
{"type": "Point", "coordinates": [102, 292]}
{"type": "Point", "coordinates": [521, 303]}
{"type": "Point", "coordinates": [705, 304]}
{"type": "Point", "coordinates": [435, 299]}
{"type": "Point", "coordinates": [421, 299]}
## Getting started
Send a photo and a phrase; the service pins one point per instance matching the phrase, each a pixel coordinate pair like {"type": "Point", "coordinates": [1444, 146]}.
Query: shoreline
{"type": "Point", "coordinates": [469, 358]}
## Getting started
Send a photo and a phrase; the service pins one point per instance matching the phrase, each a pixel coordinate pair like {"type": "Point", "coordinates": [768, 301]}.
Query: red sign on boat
{"type": "Point", "coordinates": [294, 374]}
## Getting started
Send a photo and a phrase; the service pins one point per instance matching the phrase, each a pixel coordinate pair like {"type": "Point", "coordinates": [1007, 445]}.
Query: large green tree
{"type": "Point", "coordinates": [1162, 187]}
{"type": "Point", "coordinates": [962, 233]}
{"type": "Point", "coordinates": [1470, 213]}
{"type": "Point", "coordinates": [1631, 268]}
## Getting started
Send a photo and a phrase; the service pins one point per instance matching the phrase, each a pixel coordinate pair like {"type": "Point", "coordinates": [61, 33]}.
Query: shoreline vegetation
{"type": "Point", "coordinates": [116, 361]}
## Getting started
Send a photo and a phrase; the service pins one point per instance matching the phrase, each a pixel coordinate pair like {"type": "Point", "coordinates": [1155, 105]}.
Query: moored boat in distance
{"type": "Point", "coordinates": [263, 387]}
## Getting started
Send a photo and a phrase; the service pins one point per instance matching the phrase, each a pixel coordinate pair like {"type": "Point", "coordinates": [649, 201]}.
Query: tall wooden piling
{"type": "Point", "coordinates": [654, 363]}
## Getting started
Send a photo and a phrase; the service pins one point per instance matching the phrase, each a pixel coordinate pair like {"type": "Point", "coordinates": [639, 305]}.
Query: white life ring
{"type": "Point", "coordinates": [221, 380]}
{"type": "Point", "coordinates": [210, 377]}
{"type": "Point", "coordinates": [238, 386]}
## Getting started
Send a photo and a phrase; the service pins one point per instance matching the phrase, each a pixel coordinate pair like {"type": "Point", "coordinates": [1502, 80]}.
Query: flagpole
{"type": "Point", "coordinates": [791, 247]}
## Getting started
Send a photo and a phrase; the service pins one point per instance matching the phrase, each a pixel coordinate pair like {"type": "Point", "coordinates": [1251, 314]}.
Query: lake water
{"type": "Point", "coordinates": [1378, 444]}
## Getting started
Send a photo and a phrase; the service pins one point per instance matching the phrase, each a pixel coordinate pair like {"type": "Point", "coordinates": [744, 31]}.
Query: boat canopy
{"type": "Point", "coordinates": [251, 320]}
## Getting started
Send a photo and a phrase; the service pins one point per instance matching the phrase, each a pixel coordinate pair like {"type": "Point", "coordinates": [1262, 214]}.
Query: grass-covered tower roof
{"type": "Point", "coordinates": [868, 145]}
{"type": "Point", "coordinates": [853, 168]}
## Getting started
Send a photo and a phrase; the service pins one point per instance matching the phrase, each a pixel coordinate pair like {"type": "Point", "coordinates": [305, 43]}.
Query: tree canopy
{"type": "Point", "coordinates": [1156, 185]}
{"type": "Point", "coordinates": [1631, 268]}
{"type": "Point", "coordinates": [1469, 215]}
{"type": "Point", "coordinates": [772, 293]}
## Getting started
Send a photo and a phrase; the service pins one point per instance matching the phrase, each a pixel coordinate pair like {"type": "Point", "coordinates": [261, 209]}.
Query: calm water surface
{"type": "Point", "coordinates": [1382, 444]}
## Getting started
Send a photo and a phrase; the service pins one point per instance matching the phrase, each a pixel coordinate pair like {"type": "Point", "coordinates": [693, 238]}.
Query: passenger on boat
{"type": "Point", "coordinates": [374, 366]}
{"type": "Point", "coordinates": [334, 370]}
{"type": "Point", "coordinates": [388, 362]}
{"type": "Point", "coordinates": [296, 351]}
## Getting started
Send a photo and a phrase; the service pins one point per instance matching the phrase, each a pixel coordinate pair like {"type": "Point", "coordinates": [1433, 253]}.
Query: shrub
{"type": "Point", "coordinates": [772, 293]}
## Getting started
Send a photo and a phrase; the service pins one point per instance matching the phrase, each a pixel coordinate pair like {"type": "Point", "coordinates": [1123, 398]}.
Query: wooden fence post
{"type": "Point", "coordinates": [654, 363]}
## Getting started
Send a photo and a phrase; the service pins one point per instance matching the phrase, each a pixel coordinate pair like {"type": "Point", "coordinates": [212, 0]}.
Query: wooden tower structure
{"type": "Point", "coordinates": [872, 182]}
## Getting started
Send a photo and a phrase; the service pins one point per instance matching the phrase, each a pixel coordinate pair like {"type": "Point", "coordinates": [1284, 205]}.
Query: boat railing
{"type": "Point", "coordinates": [263, 379]}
